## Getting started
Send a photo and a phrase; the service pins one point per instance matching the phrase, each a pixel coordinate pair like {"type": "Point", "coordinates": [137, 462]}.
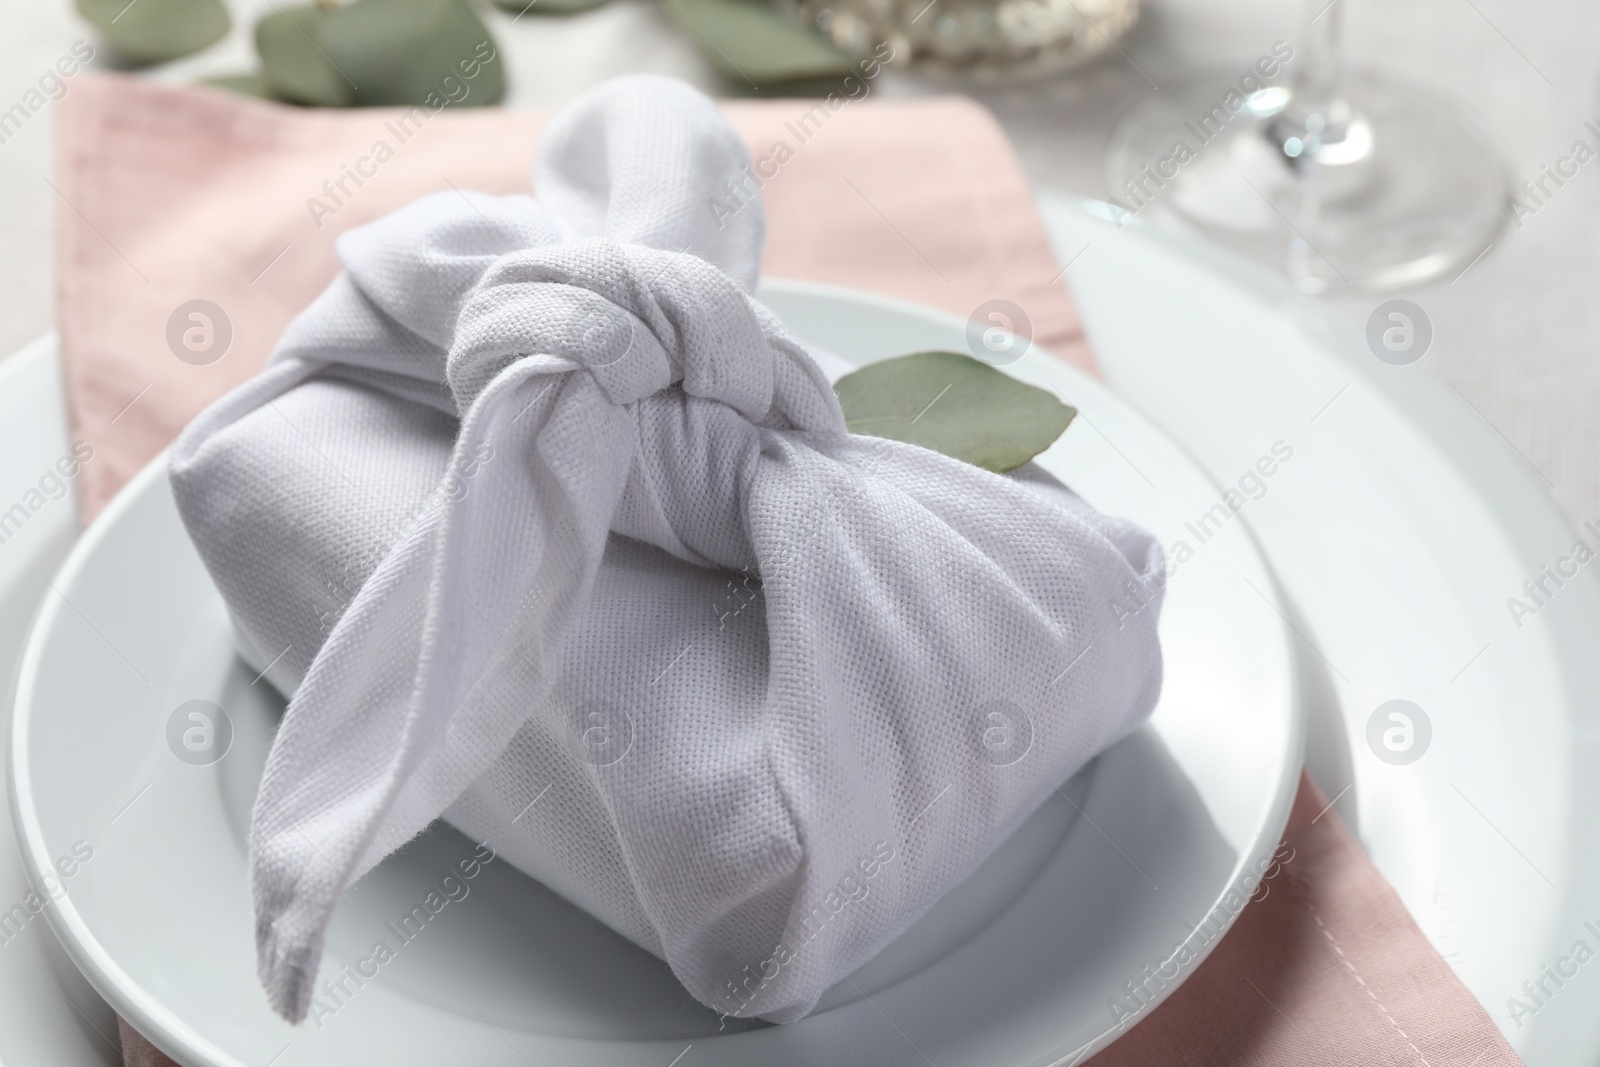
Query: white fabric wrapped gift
{"type": "Point", "coordinates": [548, 527]}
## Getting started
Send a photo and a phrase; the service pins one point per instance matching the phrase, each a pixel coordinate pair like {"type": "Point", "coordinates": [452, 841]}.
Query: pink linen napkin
{"type": "Point", "coordinates": [1323, 968]}
{"type": "Point", "coordinates": [179, 195]}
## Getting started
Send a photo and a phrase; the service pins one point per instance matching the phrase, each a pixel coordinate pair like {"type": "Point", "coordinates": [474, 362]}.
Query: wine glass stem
{"type": "Point", "coordinates": [1315, 117]}
{"type": "Point", "coordinates": [1316, 77]}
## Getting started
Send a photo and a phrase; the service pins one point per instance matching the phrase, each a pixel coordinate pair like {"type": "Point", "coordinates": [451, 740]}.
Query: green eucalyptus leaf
{"type": "Point", "coordinates": [954, 404]}
{"type": "Point", "coordinates": [294, 61]}
{"type": "Point", "coordinates": [250, 84]}
{"type": "Point", "coordinates": [548, 7]}
{"type": "Point", "coordinates": [749, 41]}
{"type": "Point", "coordinates": [154, 31]}
{"type": "Point", "coordinates": [417, 52]}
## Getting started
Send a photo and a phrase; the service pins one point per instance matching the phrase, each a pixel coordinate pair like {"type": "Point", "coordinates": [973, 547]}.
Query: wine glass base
{"type": "Point", "coordinates": [1413, 190]}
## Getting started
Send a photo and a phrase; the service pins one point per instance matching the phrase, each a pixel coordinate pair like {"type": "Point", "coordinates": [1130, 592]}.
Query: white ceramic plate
{"type": "Point", "coordinates": [1016, 966]}
{"type": "Point", "coordinates": [1399, 531]}
{"type": "Point", "coordinates": [1211, 349]}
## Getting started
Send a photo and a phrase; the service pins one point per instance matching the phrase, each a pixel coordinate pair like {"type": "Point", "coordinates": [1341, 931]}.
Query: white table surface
{"type": "Point", "coordinates": [1514, 334]}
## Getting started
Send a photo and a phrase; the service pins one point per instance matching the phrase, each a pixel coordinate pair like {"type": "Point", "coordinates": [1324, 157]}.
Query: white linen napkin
{"type": "Point", "coordinates": [548, 526]}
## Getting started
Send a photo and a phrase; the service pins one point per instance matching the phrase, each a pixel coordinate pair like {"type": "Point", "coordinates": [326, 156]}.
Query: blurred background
{"type": "Point", "coordinates": [1524, 75]}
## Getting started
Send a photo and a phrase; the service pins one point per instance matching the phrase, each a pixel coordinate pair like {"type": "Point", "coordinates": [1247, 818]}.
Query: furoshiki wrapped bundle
{"type": "Point", "coordinates": [548, 527]}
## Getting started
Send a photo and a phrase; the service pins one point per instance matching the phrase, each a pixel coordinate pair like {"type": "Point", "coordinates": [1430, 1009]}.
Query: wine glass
{"type": "Point", "coordinates": [1337, 178]}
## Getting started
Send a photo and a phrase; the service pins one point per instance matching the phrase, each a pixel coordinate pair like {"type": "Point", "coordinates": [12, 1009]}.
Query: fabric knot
{"type": "Point", "coordinates": [638, 319]}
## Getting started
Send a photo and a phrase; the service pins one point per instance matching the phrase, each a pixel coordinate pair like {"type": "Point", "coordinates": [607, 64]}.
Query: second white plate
{"type": "Point", "coordinates": [1401, 532]}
